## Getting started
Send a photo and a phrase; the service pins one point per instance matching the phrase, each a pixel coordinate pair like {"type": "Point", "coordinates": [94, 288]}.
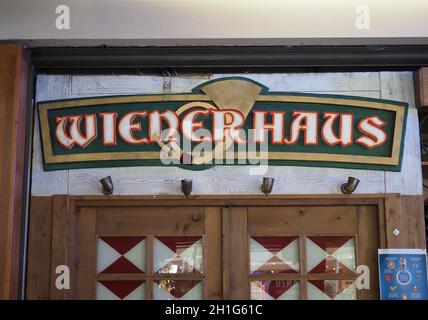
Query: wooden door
{"type": "Point", "coordinates": [212, 248]}
{"type": "Point", "coordinates": [148, 253]}
{"type": "Point", "coordinates": [299, 252]}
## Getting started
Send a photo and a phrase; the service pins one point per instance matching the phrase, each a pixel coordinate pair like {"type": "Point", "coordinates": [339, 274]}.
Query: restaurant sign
{"type": "Point", "coordinates": [227, 121]}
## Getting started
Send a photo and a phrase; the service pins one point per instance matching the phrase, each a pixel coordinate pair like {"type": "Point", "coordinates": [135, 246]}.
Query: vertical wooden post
{"type": "Point", "coordinates": [303, 267]}
{"type": "Point", "coordinates": [405, 216]}
{"type": "Point", "coordinates": [14, 70]}
{"type": "Point", "coordinates": [394, 222]}
{"type": "Point", "coordinates": [60, 245]}
{"type": "Point", "coordinates": [39, 249]}
{"type": "Point", "coordinates": [367, 245]}
{"type": "Point", "coordinates": [86, 246]}
{"type": "Point", "coordinates": [212, 254]}
{"type": "Point", "coordinates": [149, 267]}
{"type": "Point", "coordinates": [236, 285]}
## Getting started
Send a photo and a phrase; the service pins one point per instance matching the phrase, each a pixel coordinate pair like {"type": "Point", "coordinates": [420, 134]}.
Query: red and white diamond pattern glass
{"type": "Point", "coordinates": [331, 290]}
{"type": "Point", "coordinates": [330, 254]}
{"type": "Point", "coordinates": [177, 290]}
{"type": "Point", "coordinates": [177, 254]}
{"type": "Point", "coordinates": [121, 290]}
{"type": "Point", "coordinates": [121, 255]}
{"type": "Point", "coordinates": [273, 255]}
{"type": "Point", "coordinates": [275, 290]}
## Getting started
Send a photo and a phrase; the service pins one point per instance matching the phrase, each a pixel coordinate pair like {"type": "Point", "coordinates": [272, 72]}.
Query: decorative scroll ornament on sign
{"type": "Point", "coordinates": [227, 121]}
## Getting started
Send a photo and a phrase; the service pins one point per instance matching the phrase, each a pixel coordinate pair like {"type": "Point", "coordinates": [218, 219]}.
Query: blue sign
{"type": "Point", "coordinates": [403, 274]}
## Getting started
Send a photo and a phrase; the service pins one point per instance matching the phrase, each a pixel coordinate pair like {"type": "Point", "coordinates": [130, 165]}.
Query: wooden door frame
{"type": "Point", "coordinates": [15, 86]}
{"type": "Point", "coordinates": [55, 216]}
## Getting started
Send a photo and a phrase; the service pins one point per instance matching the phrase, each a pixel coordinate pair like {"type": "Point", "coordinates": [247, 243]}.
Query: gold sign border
{"type": "Point", "coordinates": [50, 158]}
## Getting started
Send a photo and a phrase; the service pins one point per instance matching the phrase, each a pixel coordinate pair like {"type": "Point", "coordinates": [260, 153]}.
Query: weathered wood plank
{"type": "Point", "coordinates": [343, 83]}
{"type": "Point", "coordinates": [86, 253]}
{"type": "Point", "coordinates": [236, 283]}
{"type": "Point", "coordinates": [307, 82]}
{"type": "Point", "coordinates": [46, 183]}
{"type": "Point", "coordinates": [364, 94]}
{"type": "Point", "coordinates": [292, 221]}
{"type": "Point", "coordinates": [406, 214]}
{"type": "Point", "coordinates": [382, 223]}
{"type": "Point", "coordinates": [150, 220]}
{"type": "Point", "coordinates": [399, 86]}
{"type": "Point", "coordinates": [60, 249]}
{"type": "Point", "coordinates": [187, 83]}
{"type": "Point", "coordinates": [39, 249]}
{"type": "Point", "coordinates": [223, 180]}
{"type": "Point", "coordinates": [118, 84]}
{"type": "Point", "coordinates": [396, 224]}
{"type": "Point", "coordinates": [367, 243]}
{"type": "Point", "coordinates": [213, 254]}
{"type": "Point", "coordinates": [413, 210]}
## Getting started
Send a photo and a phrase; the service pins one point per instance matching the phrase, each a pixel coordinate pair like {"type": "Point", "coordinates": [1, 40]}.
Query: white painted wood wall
{"type": "Point", "coordinates": [233, 179]}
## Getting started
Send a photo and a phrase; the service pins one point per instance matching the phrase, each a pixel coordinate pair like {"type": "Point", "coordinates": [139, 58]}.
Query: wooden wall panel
{"type": "Point", "coordinates": [367, 245]}
{"type": "Point", "coordinates": [413, 209]}
{"type": "Point", "coordinates": [39, 248]}
{"type": "Point", "coordinates": [213, 259]}
{"type": "Point", "coordinates": [405, 214]}
{"type": "Point", "coordinates": [86, 251]}
{"type": "Point", "coordinates": [127, 220]}
{"type": "Point", "coordinates": [398, 86]}
{"type": "Point", "coordinates": [14, 69]}
{"type": "Point", "coordinates": [50, 87]}
{"type": "Point", "coordinates": [264, 221]}
{"type": "Point", "coordinates": [60, 242]}
{"type": "Point", "coordinates": [235, 254]}
{"type": "Point", "coordinates": [394, 221]}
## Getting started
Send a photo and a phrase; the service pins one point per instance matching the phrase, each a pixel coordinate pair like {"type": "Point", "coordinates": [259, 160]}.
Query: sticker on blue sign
{"type": "Point", "coordinates": [403, 274]}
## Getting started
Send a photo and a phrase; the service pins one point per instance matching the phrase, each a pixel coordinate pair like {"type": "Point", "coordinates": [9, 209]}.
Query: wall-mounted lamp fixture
{"type": "Point", "coordinates": [267, 185]}
{"type": "Point", "coordinates": [186, 186]}
{"type": "Point", "coordinates": [350, 186]}
{"type": "Point", "coordinates": [107, 185]}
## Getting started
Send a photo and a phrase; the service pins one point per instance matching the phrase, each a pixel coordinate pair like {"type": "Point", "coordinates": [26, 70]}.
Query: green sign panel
{"type": "Point", "coordinates": [229, 121]}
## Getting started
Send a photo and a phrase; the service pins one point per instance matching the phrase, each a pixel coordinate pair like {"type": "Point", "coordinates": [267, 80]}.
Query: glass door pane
{"type": "Point", "coordinates": [139, 253]}
{"type": "Point", "coordinates": [310, 252]}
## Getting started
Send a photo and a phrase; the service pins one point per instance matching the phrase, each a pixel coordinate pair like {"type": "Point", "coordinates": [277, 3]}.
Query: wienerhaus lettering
{"type": "Point", "coordinates": [79, 131]}
{"type": "Point", "coordinates": [313, 130]}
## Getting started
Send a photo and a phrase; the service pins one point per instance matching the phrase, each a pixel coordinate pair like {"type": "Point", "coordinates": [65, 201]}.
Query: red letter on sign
{"type": "Point", "coordinates": [228, 122]}
{"type": "Point", "coordinates": [276, 126]}
{"type": "Point", "coordinates": [373, 136]}
{"type": "Point", "coordinates": [74, 134]}
{"type": "Point", "coordinates": [307, 122]}
{"type": "Point", "coordinates": [127, 127]}
{"type": "Point", "coordinates": [346, 122]}
{"type": "Point", "coordinates": [109, 128]}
